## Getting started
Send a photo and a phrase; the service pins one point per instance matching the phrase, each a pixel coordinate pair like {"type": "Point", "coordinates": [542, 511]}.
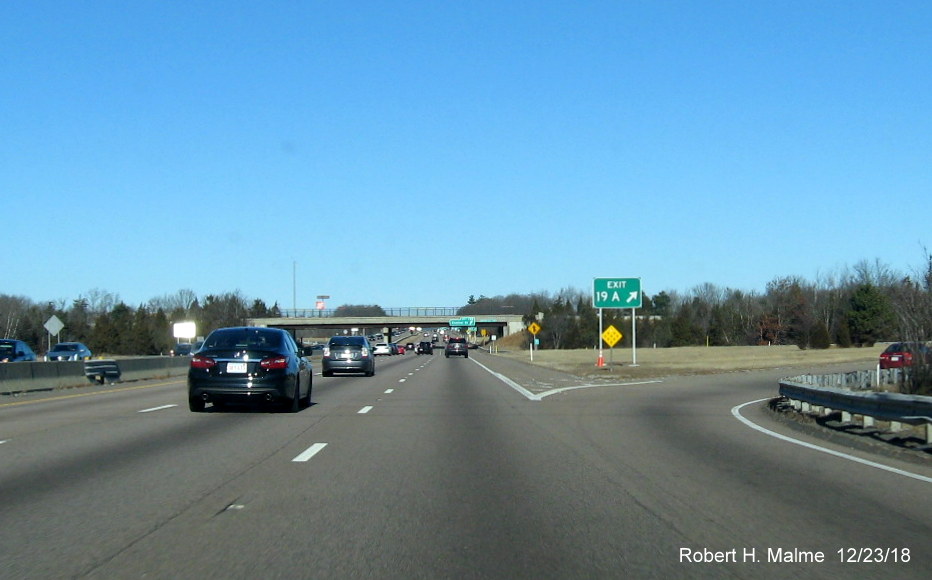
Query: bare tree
{"type": "Point", "coordinates": [100, 301]}
{"type": "Point", "coordinates": [182, 300]}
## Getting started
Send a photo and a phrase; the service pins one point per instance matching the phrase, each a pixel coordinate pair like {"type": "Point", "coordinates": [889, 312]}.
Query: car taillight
{"type": "Point", "coordinates": [203, 362]}
{"type": "Point", "coordinates": [326, 351]}
{"type": "Point", "coordinates": [275, 362]}
{"type": "Point", "coordinates": [365, 351]}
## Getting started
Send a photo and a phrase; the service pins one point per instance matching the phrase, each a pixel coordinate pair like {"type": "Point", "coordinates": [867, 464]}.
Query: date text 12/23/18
{"type": "Point", "coordinates": [782, 555]}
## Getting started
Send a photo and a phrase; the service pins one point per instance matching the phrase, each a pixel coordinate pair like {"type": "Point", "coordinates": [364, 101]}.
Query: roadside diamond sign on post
{"type": "Point", "coordinates": [54, 325]}
{"type": "Point", "coordinates": [611, 336]}
{"type": "Point", "coordinates": [533, 328]}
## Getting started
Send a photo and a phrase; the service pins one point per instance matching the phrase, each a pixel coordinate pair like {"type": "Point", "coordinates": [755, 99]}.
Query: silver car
{"type": "Point", "coordinates": [348, 354]}
{"type": "Point", "coordinates": [69, 351]}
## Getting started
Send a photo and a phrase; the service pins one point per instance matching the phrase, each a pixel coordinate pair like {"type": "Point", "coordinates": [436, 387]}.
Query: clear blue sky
{"type": "Point", "coordinates": [414, 153]}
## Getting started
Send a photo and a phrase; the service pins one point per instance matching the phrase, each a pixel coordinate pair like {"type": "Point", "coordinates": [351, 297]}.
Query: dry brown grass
{"type": "Point", "coordinates": [653, 362]}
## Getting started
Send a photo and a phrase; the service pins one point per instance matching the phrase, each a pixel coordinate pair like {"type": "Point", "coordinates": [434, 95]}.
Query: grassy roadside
{"type": "Point", "coordinates": [689, 360]}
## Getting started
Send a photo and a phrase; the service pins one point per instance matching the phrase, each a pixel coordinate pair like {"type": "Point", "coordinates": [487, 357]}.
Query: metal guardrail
{"type": "Point", "coordinates": [102, 370]}
{"type": "Point", "coordinates": [808, 396]}
{"type": "Point", "coordinates": [856, 380]}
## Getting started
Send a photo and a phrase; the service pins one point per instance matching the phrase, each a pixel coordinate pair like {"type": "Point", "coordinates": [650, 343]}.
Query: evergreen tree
{"type": "Point", "coordinates": [820, 336]}
{"type": "Point", "coordinates": [870, 316]}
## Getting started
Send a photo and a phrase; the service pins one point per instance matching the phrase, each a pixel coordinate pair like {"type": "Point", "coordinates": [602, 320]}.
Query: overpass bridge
{"type": "Point", "coordinates": [314, 323]}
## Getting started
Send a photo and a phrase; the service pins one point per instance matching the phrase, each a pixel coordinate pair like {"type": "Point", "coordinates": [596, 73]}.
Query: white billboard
{"type": "Point", "coordinates": [186, 330]}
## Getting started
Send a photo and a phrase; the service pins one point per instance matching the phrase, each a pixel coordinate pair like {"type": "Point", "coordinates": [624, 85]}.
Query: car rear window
{"type": "Point", "coordinates": [259, 338]}
{"type": "Point", "coordinates": [346, 341]}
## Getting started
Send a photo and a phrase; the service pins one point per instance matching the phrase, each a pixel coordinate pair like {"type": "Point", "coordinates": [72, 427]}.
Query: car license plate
{"type": "Point", "coordinates": [894, 358]}
{"type": "Point", "coordinates": [348, 355]}
{"type": "Point", "coordinates": [236, 367]}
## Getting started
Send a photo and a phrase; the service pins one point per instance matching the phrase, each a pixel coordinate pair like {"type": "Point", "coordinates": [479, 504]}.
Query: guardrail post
{"type": "Point", "coordinates": [867, 421]}
{"type": "Point", "coordinates": [896, 426]}
{"type": "Point", "coordinates": [929, 433]}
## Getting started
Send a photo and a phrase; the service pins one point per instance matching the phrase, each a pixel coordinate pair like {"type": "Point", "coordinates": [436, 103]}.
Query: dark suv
{"type": "Point", "coordinates": [425, 347]}
{"type": "Point", "coordinates": [456, 346]}
{"type": "Point", "coordinates": [348, 354]}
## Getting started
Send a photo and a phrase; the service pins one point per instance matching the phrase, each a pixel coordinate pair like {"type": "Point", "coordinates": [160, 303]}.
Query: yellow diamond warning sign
{"type": "Point", "coordinates": [611, 336]}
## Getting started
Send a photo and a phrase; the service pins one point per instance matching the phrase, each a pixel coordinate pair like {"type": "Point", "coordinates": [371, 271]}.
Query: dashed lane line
{"type": "Point", "coordinates": [157, 408]}
{"type": "Point", "coordinates": [309, 452]}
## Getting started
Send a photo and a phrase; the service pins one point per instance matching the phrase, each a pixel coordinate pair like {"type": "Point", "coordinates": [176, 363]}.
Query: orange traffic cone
{"type": "Point", "coordinates": [601, 362]}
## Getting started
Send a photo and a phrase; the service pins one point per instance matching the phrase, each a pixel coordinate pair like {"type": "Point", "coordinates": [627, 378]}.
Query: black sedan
{"type": "Point", "coordinates": [249, 364]}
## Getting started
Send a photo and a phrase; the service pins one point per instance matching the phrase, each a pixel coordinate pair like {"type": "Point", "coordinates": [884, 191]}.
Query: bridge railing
{"type": "Point", "coordinates": [405, 311]}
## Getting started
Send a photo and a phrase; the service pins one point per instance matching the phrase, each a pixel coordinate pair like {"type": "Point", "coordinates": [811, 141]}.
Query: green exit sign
{"type": "Point", "coordinates": [616, 293]}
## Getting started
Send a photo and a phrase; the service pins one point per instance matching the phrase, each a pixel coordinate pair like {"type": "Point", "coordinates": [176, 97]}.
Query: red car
{"type": "Point", "coordinates": [904, 354]}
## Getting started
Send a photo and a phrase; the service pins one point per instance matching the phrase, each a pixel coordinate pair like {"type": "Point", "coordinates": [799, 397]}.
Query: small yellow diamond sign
{"type": "Point", "coordinates": [534, 328]}
{"type": "Point", "coordinates": [611, 336]}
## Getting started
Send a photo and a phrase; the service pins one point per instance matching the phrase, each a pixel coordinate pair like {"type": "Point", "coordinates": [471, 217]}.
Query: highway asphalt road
{"type": "Point", "coordinates": [438, 468]}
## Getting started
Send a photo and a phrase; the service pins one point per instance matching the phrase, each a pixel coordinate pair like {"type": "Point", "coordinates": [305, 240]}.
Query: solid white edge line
{"type": "Point", "coordinates": [157, 408]}
{"type": "Point", "coordinates": [540, 396]}
{"type": "Point", "coordinates": [562, 389]}
{"type": "Point", "coordinates": [508, 382]}
{"type": "Point", "coordinates": [309, 452]}
{"type": "Point", "coordinates": [736, 411]}
{"type": "Point", "coordinates": [364, 410]}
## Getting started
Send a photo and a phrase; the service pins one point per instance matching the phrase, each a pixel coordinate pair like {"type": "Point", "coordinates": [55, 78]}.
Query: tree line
{"type": "Point", "coordinates": [859, 306]}
{"type": "Point", "coordinates": [109, 326]}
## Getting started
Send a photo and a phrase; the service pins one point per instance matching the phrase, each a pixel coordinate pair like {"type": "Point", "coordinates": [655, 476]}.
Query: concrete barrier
{"type": "Point", "coordinates": [45, 376]}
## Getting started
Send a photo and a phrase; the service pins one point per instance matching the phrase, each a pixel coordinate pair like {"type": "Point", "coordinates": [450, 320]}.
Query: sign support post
{"type": "Point", "coordinates": [634, 340]}
{"type": "Point", "coordinates": [601, 361]}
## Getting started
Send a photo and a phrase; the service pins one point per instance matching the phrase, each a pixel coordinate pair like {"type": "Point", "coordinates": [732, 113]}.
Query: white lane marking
{"type": "Point", "coordinates": [364, 410]}
{"type": "Point", "coordinates": [3, 441]}
{"type": "Point", "coordinates": [402, 380]}
{"type": "Point", "coordinates": [309, 452]}
{"type": "Point", "coordinates": [736, 411]}
{"type": "Point", "coordinates": [389, 391]}
{"type": "Point", "coordinates": [592, 386]}
{"type": "Point", "coordinates": [531, 396]}
{"type": "Point", "coordinates": [157, 408]}
{"type": "Point", "coordinates": [540, 396]}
